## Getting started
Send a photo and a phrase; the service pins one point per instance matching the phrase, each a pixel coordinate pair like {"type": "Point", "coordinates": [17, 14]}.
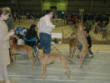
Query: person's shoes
{"type": "Point", "coordinates": [91, 56]}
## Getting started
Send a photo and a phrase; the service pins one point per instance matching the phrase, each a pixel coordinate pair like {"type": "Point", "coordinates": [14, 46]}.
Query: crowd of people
{"type": "Point", "coordinates": [100, 22]}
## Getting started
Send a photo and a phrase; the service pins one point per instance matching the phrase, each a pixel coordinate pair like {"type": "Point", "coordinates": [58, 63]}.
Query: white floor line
{"type": "Point", "coordinates": [15, 78]}
{"type": "Point", "coordinates": [79, 72]}
{"type": "Point", "coordinates": [27, 77]}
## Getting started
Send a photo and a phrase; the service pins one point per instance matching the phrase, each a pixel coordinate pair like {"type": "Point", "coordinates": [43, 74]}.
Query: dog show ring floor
{"type": "Point", "coordinates": [95, 70]}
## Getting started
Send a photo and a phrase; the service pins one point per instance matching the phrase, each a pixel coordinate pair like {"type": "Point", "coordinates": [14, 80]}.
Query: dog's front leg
{"type": "Point", "coordinates": [11, 60]}
{"type": "Point", "coordinates": [44, 71]}
{"type": "Point", "coordinates": [30, 56]}
{"type": "Point", "coordinates": [36, 57]}
{"type": "Point", "coordinates": [13, 57]}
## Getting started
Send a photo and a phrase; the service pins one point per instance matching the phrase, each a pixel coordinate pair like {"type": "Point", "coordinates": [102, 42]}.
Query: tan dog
{"type": "Point", "coordinates": [50, 58]}
{"type": "Point", "coordinates": [83, 40]}
{"type": "Point", "coordinates": [21, 49]}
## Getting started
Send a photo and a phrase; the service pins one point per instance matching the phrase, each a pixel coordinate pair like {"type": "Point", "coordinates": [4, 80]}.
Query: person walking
{"type": "Point", "coordinates": [4, 45]}
{"type": "Point", "coordinates": [45, 27]}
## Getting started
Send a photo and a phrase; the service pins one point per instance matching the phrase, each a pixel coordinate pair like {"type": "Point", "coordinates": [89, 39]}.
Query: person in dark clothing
{"type": "Point", "coordinates": [88, 25]}
{"type": "Point", "coordinates": [31, 37]}
{"type": "Point", "coordinates": [89, 40]}
{"type": "Point", "coordinates": [97, 27]}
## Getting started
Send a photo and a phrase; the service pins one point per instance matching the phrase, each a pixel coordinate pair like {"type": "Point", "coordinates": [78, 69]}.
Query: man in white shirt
{"type": "Point", "coordinates": [45, 27]}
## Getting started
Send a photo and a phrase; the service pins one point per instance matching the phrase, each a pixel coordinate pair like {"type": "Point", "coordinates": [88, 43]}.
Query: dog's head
{"type": "Point", "coordinates": [12, 41]}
